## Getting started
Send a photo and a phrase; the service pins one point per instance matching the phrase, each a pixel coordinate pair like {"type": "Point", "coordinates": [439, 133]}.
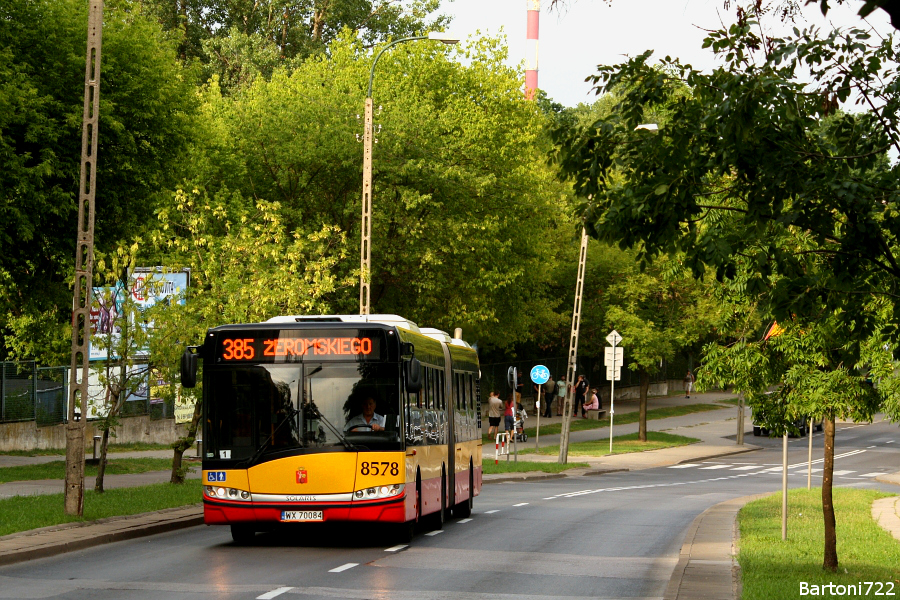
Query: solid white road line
{"type": "Point", "coordinates": [343, 567]}
{"type": "Point", "coordinates": [273, 593]}
{"type": "Point", "coordinates": [746, 468]}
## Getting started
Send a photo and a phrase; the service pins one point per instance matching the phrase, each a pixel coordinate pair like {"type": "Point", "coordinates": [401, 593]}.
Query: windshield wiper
{"type": "Point", "coordinates": [336, 431]}
{"type": "Point", "coordinates": [262, 448]}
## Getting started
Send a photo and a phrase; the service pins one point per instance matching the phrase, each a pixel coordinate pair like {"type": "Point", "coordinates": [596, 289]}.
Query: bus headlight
{"type": "Point", "coordinates": [229, 493]}
{"type": "Point", "coordinates": [384, 491]}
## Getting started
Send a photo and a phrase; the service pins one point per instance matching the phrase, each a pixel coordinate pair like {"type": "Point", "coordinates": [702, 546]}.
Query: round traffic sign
{"type": "Point", "coordinates": [540, 374]}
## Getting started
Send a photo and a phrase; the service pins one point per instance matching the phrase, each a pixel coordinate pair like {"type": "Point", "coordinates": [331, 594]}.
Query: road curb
{"type": "Point", "coordinates": [52, 541]}
{"type": "Point", "coordinates": [719, 455]}
{"type": "Point", "coordinates": [540, 475]}
{"type": "Point", "coordinates": [706, 566]}
{"type": "Point", "coordinates": [892, 478]}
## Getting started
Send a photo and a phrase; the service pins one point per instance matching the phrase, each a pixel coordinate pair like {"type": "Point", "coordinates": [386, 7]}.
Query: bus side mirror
{"type": "Point", "coordinates": [189, 368]}
{"type": "Point", "coordinates": [412, 370]}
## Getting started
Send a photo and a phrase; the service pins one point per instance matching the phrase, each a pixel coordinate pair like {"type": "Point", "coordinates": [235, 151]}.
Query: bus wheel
{"type": "Point", "coordinates": [242, 533]}
{"type": "Point", "coordinates": [463, 510]}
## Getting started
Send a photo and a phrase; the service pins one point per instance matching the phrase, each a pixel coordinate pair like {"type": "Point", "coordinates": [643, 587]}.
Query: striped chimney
{"type": "Point", "coordinates": [531, 52]}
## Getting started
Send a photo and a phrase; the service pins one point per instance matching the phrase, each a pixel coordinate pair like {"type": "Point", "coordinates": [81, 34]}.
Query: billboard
{"type": "Point", "coordinates": [146, 286]}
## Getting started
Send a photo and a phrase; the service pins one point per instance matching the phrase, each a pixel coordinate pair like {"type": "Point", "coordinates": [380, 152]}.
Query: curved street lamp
{"type": "Point", "coordinates": [365, 248]}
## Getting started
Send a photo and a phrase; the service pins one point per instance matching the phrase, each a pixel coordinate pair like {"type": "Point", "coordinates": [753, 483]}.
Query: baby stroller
{"type": "Point", "coordinates": [519, 426]}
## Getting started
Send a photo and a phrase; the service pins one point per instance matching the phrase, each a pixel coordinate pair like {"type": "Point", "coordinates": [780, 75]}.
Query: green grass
{"type": "Point", "coordinates": [523, 466]}
{"type": "Point", "coordinates": [130, 447]}
{"type": "Point", "coordinates": [622, 444]}
{"type": "Point", "coordinates": [57, 469]}
{"type": "Point", "coordinates": [773, 569]}
{"type": "Point", "coordinates": [23, 513]}
{"type": "Point", "coordinates": [621, 419]}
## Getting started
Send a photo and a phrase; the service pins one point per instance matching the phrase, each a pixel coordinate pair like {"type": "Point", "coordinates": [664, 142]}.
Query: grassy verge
{"type": "Point", "coordinates": [622, 444]}
{"type": "Point", "coordinates": [774, 569]}
{"type": "Point", "coordinates": [23, 513]}
{"type": "Point", "coordinates": [621, 419]}
{"type": "Point", "coordinates": [131, 447]}
{"type": "Point", "coordinates": [57, 469]}
{"type": "Point", "coordinates": [523, 466]}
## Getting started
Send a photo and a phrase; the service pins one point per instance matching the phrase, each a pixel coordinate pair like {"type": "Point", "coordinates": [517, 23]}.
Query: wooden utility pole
{"type": "Point", "coordinates": [84, 267]}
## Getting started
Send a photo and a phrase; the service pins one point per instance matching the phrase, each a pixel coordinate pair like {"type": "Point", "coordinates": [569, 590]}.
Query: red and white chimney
{"type": "Point", "coordinates": [531, 52]}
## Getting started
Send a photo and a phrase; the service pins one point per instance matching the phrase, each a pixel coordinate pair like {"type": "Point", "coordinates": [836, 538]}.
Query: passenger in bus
{"type": "Point", "coordinates": [368, 420]}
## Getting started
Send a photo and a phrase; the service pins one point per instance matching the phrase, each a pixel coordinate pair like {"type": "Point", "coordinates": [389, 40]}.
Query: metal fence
{"type": "Point", "coordinates": [32, 393]}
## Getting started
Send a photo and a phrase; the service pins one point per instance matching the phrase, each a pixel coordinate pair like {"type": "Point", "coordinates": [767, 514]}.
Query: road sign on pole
{"type": "Point", "coordinates": [613, 358]}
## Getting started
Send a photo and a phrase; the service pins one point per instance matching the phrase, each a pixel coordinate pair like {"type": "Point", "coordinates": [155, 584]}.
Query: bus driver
{"type": "Point", "coordinates": [368, 420]}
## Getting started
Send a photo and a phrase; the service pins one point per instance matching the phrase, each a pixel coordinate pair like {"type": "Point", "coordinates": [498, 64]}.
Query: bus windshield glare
{"type": "Point", "coordinates": [255, 410]}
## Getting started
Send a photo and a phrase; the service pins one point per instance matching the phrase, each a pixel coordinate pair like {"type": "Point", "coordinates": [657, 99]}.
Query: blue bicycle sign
{"type": "Point", "coordinates": [540, 374]}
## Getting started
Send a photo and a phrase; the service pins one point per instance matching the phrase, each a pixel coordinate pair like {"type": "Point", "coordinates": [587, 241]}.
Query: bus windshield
{"type": "Point", "coordinates": [259, 409]}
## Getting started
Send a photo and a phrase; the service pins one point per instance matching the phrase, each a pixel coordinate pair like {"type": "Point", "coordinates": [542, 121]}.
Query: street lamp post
{"type": "Point", "coordinates": [365, 248]}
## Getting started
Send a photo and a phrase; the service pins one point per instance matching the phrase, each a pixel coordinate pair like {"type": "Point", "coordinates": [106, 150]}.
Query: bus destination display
{"type": "Point", "coordinates": [273, 347]}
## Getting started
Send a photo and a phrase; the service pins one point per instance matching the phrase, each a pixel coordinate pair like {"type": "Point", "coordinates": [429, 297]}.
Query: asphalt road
{"type": "Point", "coordinates": [610, 536]}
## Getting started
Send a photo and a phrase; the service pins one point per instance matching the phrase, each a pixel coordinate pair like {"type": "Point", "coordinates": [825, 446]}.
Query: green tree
{"type": "Point", "coordinates": [464, 203]}
{"type": "Point", "coordinates": [146, 109]}
{"type": "Point", "coordinates": [659, 312]}
{"type": "Point", "coordinates": [756, 176]}
{"type": "Point", "coordinates": [238, 40]}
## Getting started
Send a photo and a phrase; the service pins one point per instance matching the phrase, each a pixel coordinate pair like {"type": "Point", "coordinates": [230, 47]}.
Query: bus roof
{"type": "Point", "coordinates": [394, 320]}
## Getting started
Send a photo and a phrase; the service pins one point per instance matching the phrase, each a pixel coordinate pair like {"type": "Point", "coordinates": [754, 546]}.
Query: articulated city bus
{"type": "Point", "coordinates": [336, 418]}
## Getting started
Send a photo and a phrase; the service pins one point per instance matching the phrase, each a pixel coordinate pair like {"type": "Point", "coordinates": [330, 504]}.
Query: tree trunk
{"type": "Point", "coordinates": [101, 466]}
{"type": "Point", "coordinates": [645, 387]}
{"type": "Point", "coordinates": [178, 471]}
{"type": "Point", "coordinates": [831, 560]}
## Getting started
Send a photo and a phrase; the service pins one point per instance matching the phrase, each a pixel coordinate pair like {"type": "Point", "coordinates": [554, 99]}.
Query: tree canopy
{"type": "Point", "coordinates": [146, 105]}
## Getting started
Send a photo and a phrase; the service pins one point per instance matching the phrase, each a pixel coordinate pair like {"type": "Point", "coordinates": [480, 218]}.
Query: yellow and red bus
{"type": "Point", "coordinates": [289, 434]}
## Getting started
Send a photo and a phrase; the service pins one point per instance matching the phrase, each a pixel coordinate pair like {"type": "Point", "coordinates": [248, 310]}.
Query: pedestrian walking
{"type": "Point", "coordinates": [495, 411]}
{"type": "Point", "coordinates": [688, 384]}
{"type": "Point", "coordinates": [549, 393]}
{"type": "Point", "coordinates": [560, 395]}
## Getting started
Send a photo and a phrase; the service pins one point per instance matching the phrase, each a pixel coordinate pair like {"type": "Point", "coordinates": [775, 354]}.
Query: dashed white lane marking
{"type": "Point", "coordinates": [464, 520]}
{"type": "Point", "coordinates": [273, 593]}
{"type": "Point", "coordinates": [343, 567]}
{"type": "Point", "coordinates": [889, 442]}
{"type": "Point", "coordinates": [521, 504]}
{"type": "Point", "coordinates": [872, 474]}
{"type": "Point", "coordinates": [745, 468]}
{"type": "Point", "coordinates": [684, 466]}
{"type": "Point", "coordinates": [490, 512]}
{"type": "Point", "coordinates": [713, 467]}
{"type": "Point", "coordinates": [839, 473]}
{"type": "Point", "coordinates": [550, 498]}
{"type": "Point", "coordinates": [396, 548]}
{"type": "Point", "coordinates": [433, 533]}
